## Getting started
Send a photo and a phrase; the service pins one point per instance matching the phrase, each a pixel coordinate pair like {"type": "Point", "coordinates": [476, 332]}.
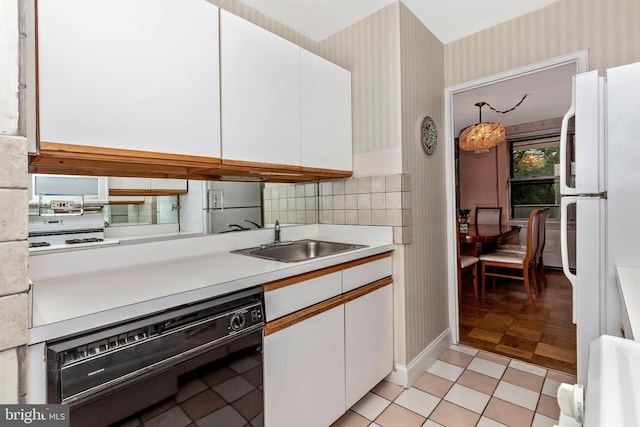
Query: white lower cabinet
{"type": "Point", "coordinates": [368, 326]}
{"type": "Point", "coordinates": [325, 347]}
{"type": "Point", "coordinates": [304, 372]}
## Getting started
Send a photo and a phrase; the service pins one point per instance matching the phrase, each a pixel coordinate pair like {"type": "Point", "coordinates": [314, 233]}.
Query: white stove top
{"type": "Point", "coordinates": [47, 233]}
{"type": "Point", "coordinates": [67, 246]}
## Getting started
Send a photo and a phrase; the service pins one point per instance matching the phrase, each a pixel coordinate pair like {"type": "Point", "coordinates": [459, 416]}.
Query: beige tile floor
{"type": "Point", "coordinates": [465, 387]}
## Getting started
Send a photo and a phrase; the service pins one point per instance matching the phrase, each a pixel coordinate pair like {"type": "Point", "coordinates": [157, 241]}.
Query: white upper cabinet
{"type": "Point", "coordinates": [325, 114]}
{"type": "Point", "coordinates": [260, 90]}
{"type": "Point", "coordinates": [148, 184]}
{"type": "Point", "coordinates": [139, 75]}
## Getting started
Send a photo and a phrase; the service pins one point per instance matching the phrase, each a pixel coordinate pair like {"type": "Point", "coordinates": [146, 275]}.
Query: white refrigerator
{"type": "Point", "coordinates": [602, 179]}
{"type": "Point", "coordinates": [213, 207]}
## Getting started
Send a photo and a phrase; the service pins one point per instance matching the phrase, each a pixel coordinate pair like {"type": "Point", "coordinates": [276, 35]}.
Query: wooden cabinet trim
{"type": "Point", "coordinates": [126, 202]}
{"type": "Point", "coordinates": [140, 192]}
{"type": "Point", "coordinates": [299, 316]}
{"type": "Point", "coordinates": [277, 284]}
{"type": "Point", "coordinates": [56, 149]}
{"type": "Point", "coordinates": [366, 289]}
{"type": "Point", "coordinates": [70, 159]}
{"type": "Point", "coordinates": [272, 286]}
{"type": "Point", "coordinates": [366, 260]}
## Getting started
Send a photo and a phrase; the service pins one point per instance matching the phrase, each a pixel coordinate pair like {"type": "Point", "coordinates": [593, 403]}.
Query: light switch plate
{"type": "Point", "coordinates": [215, 199]}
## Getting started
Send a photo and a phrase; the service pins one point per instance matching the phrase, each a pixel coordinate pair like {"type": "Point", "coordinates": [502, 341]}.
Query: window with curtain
{"type": "Point", "coordinates": [533, 179]}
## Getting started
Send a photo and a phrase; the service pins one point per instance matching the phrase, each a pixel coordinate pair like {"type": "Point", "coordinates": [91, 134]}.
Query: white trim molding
{"type": "Point", "coordinates": [406, 376]}
{"type": "Point", "coordinates": [580, 58]}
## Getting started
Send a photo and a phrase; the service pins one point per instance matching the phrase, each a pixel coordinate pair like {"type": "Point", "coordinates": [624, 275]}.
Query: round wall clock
{"type": "Point", "coordinates": [429, 135]}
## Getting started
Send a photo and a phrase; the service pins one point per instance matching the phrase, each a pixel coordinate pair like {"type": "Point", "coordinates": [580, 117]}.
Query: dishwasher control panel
{"type": "Point", "coordinates": [84, 364]}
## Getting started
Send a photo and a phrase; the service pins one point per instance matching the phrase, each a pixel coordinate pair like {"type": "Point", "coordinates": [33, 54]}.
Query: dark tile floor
{"type": "Point", "coordinates": [225, 393]}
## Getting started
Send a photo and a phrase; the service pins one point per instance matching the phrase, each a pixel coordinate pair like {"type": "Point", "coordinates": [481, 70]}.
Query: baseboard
{"type": "Point", "coordinates": [406, 376]}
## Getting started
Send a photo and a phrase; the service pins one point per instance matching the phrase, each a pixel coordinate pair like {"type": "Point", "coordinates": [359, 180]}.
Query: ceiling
{"type": "Point", "coordinates": [319, 19]}
{"type": "Point", "coordinates": [548, 97]}
{"type": "Point", "coordinates": [548, 92]}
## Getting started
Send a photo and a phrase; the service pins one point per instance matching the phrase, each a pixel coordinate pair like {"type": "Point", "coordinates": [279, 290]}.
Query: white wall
{"type": "Point", "coordinates": [9, 64]}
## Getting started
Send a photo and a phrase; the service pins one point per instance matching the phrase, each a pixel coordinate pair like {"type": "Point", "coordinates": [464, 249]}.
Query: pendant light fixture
{"type": "Point", "coordinates": [482, 136]}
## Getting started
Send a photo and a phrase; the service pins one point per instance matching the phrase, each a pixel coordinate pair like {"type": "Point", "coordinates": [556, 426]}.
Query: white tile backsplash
{"type": "Point", "coordinates": [351, 186]}
{"type": "Point", "coordinates": [376, 200]}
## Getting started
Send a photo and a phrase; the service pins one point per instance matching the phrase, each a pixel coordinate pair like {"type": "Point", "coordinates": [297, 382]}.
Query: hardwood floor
{"type": "Point", "coordinates": [503, 322]}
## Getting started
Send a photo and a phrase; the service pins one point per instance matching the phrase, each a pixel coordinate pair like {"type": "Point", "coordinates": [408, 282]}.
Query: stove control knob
{"type": "Point", "coordinates": [237, 321]}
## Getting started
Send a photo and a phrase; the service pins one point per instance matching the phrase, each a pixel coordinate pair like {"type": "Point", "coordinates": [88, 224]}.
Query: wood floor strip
{"type": "Point", "coordinates": [504, 323]}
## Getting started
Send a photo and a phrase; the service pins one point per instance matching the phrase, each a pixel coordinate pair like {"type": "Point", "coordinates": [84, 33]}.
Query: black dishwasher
{"type": "Point", "coordinates": [109, 374]}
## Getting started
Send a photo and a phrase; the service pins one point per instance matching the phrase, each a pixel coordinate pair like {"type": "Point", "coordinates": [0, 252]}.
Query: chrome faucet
{"type": "Point", "coordinates": [256, 225]}
{"type": "Point", "coordinates": [277, 232]}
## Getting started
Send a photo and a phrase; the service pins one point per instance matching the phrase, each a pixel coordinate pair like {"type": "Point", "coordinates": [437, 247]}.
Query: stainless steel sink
{"type": "Point", "coordinates": [299, 250]}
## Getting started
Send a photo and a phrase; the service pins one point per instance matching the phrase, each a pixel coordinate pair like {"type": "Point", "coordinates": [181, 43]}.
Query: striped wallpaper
{"type": "Point", "coordinates": [608, 28]}
{"type": "Point", "coordinates": [425, 260]}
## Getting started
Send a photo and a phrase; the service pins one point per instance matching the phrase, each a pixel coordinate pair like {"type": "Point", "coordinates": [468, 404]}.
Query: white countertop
{"type": "Point", "coordinates": [611, 397]}
{"type": "Point", "coordinates": [628, 279]}
{"type": "Point", "coordinates": [83, 290]}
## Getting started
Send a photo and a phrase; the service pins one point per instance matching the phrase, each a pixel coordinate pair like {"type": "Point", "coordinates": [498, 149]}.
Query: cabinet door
{"type": "Point", "coordinates": [260, 89]}
{"type": "Point", "coordinates": [150, 185]}
{"type": "Point", "coordinates": [168, 184]}
{"type": "Point", "coordinates": [93, 188]}
{"type": "Point", "coordinates": [325, 114]}
{"type": "Point", "coordinates": [368, 342]}
{"type": "Point", "coordinates": [140, 75]}
{"type": "Point", "coordinates": [129, 183]}
{"type": "Point", "coordinates": [304, 372]}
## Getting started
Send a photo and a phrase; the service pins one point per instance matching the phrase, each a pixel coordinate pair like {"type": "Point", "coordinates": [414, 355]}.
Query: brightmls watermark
{"type": "Point", "coordinates": [34, 415]}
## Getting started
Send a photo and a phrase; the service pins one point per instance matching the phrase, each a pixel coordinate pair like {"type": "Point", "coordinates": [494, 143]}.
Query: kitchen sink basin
{"type": "Point", "coordinates": [299, 250]}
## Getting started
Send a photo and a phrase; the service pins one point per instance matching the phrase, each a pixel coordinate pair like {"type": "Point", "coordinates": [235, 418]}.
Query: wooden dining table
{"type": "Point", "coordinates": [481, 238]}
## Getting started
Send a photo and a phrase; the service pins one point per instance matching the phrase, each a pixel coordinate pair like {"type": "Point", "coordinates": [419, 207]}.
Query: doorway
{"type": "Point", "coordinates": [452, 125]}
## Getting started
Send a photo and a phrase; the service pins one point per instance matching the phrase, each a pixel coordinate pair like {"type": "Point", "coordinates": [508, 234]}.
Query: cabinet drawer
{"type": "Point", "coordinates": [282, 300]}
{"type": "Point", "coordinates": [367, 272]}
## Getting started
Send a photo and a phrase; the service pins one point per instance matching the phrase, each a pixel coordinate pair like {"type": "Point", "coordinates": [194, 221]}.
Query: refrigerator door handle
{"type": "Point", "coordinates": [564, 129]}
{"type": "Point", "coordinates": [564, 248]}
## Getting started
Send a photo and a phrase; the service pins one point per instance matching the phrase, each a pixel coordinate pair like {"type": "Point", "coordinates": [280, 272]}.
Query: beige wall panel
{"type": "Point", "coordinates": [608, 29]}
{"type": "Point", "coordinates": [425, 267]}
{"type": "Point", "coordinates": [370, 50]}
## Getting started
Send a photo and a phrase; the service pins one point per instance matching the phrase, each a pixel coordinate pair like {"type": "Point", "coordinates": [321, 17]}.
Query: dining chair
{"type": "Point", "coordinates": [489, 215]}
{"type": "Point", "coordinates": [467, 268]}
{"type": "Point", "coordinates": [541, 241]}
{"type": "Point", "coordinates": [515, 265]}
{"type": "Point", "coordinates": [543, 212]}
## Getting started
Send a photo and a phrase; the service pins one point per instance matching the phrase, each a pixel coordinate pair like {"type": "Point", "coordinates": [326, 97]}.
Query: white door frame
{"type": "Point", "coordinates": [580, 58]}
